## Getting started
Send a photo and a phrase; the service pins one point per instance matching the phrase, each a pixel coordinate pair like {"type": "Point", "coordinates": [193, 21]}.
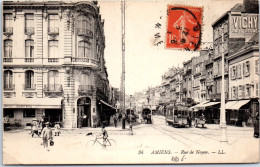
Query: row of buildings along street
{"type": "Point", "coordinates": [197, 85]}
{"type": "Point", "coordinates": [54, 67]}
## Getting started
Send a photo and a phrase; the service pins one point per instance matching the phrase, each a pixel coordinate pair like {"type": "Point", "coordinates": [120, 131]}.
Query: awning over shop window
{"type": "Point", "coordinates": [44, 103]}
{"type": "Point", "coordinates": [210, 104]}
{"type": "Point", "coordinates": [199, 105]}
{"type": "Point", "coordinates": [229, 104]}
{"type": "Point", "coordinates": [108, 105]}
{"type": "Point", "coordinates": [236, 104]}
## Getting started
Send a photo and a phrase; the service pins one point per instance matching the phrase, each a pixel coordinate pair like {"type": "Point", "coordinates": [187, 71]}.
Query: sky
{"type": "Point", "coordinates": [145, 62]}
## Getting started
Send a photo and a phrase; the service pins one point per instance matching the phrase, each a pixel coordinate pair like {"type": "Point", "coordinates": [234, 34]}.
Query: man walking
{"type": "Point", "coordinates": [46, 135]}
{"type": "Point", "coordinates": [123, 122]}
{"type": "Point", "coordinates": [115, 120]}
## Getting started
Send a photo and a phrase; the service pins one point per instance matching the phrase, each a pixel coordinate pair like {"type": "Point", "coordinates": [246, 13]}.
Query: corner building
{"type": "Point", "coordinates": [53, 63]}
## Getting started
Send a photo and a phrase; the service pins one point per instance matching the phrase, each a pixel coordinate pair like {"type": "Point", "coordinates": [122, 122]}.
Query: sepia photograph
{"type": "Point", "coordinates": [130, 82]}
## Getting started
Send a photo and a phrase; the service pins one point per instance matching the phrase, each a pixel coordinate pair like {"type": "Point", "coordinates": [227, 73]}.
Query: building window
{"type": "Point", "coordinates": [8, 113]}
{"type": "Point", "coordinates": [240, 91]}
{"type": "Point", "coordinates": [239, 72]}
{"type": "Point", "coordinates": [246, 68]}
{"type": "Point", "coordinates": [29, 48]}
{"type": "Point", "coordinates": [234, 89]}
{"type": "Point", "coordinates": [8, 79]}
{"type": "Point", "coordinates": [8, 46]}
{"type": "Point", "coordinates": [53, 80]}
{"type": "Point", "coordinates": [29, 113]}
{"type": "Point", "coordinates": [29, 23]}
{"type": "Point", "coordinates": [257, 90]}
{"type": "Point", "coordinates": [53, 49]}
{"type": "Point", "coordinates": [234, 72]}
{"type": "Point", "coordinates": [8, 23]}
{"type": "Point", "coordinates": [53, 23]}
{"type": "Point", "coordinates": [248, 91]}
{"type": "Point", "coordinates": [84, 22]}
{"type": "Point", "coordinates": [29, 79]}
{"type": "Point", "coordinates": [84, 49]}
{"type": "Point", "coordinates": [257, 66]}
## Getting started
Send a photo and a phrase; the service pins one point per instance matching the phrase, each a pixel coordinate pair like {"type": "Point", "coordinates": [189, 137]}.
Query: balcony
{"type": "Point", "coordinates": [53, 60]}
{"type": "Point", "coordinates": [29, 60]}
{"type": "Point", "coordinates": [9, 87]}
{"type": "Point", "coordinates": [85, 33]}
{"type": "Point", "coordinates": [29, 30]}
{"type": "Point", "coordinates": [8, 31]}
{"type": "Point", "coordinates": [53, 31]}
{"type": "Point", "coordinates": [7, 60]}
{"type": "Point", "coordinates": [53, 90]}
{"type": "Point", "coordinates": [85, 90]}
{"type": "Point", "coordinates": [29, 87]}
{"type": "Point", "coordinates": [84, 60]}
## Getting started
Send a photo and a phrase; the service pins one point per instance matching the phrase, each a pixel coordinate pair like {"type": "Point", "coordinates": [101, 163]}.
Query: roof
{"type": "Point", "coordinates": [237, 8]}
{"type": "Point", "coordinates": [252, 44]}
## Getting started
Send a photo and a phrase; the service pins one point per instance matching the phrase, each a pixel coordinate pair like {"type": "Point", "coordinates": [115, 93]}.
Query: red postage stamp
{"type": "Point", "coordinates": [184, 27]}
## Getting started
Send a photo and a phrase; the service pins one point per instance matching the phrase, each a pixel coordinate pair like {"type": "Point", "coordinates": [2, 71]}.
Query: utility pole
{"type": "Point", "coordinates": [122, 101]}
{"type": "Point", "coordinates": [222, 109]}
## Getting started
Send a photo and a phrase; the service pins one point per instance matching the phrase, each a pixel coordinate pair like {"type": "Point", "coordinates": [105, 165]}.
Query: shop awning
{"type": "Point", "coordinates": [210, 104]}
{"type": "Point", "coordinates": [200, 105]}
{"type": "Point", "coordinates": [239, 104]}
{"type": "Point", "coordinates": [107, 105]}
{"type": "Point", "coordinates": [229, 104]}
{"type": "Point", "coordinates": [45, 103]}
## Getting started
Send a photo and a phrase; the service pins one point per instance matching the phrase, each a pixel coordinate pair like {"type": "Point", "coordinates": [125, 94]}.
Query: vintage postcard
{"type": "Point", "coordinates": [130, 82]}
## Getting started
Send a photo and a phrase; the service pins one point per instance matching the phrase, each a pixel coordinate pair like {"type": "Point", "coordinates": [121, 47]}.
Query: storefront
{"type": "Point", "coordinates": [22, 112]}
{"type": "Point", "coordinates": [240, 112]}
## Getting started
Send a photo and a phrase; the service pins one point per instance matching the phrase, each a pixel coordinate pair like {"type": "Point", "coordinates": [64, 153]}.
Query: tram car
{"type": "Point", "coordinates": [199, 120]}
{"type": "Point", "coordinates": [178, 117]}
{"type": "Point", "coordinates": [147, 115]}
{"type": "Point", "coordinates": [130, 115]}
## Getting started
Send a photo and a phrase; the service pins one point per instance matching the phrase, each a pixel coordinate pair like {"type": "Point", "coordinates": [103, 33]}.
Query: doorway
{"type": "Point", "coordinates": [84, 112]}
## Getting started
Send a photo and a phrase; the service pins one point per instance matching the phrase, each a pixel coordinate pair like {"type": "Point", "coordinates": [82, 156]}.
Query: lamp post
{"type": "Point", "coordinates": [223, 126]}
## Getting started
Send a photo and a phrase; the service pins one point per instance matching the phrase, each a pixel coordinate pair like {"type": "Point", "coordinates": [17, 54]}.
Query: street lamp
{"type": "Point", "coordinates": [223, 126]}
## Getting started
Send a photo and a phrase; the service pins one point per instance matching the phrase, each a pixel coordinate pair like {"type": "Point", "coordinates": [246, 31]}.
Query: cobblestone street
{"type": "Point", "coordinates": [156, 140]}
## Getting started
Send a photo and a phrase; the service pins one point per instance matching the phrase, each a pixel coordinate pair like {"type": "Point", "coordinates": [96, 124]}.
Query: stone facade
{"type": "Point", "coordinates": [53, 61]}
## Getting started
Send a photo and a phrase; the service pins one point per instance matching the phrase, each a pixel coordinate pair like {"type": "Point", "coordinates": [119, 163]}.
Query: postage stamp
{"type": "Point", "coordinates": [184, 27]}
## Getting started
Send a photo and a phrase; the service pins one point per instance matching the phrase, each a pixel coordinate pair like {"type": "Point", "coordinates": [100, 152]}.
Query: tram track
{"type": "Point", "coordinates": [179, 134]}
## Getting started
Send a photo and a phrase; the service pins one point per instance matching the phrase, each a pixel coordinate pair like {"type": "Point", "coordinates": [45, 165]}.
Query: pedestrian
{"type": "Point", "coordinates": [115, 120]}
{"type": "Point", "coordinates": [57, 129]}
{"type": "Point", "coordinates": [189, 120]}
{"type": "Point", "coordinates": [123, 122]}
{"type": "Point", "coordinates": [131, 128]}
{"type": "Point", "coordinates": [35, 129]}
{"type": "Point", "coordinates": [46, 135]}
{"type": "Point", "coordinates": [42, 123]}
{"type": "Point", "coordinates": [105, 135]}
{"type": "Point", "coordinates": [119, 117]}
{"type": "Point", "coordinates": [256, 125]}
